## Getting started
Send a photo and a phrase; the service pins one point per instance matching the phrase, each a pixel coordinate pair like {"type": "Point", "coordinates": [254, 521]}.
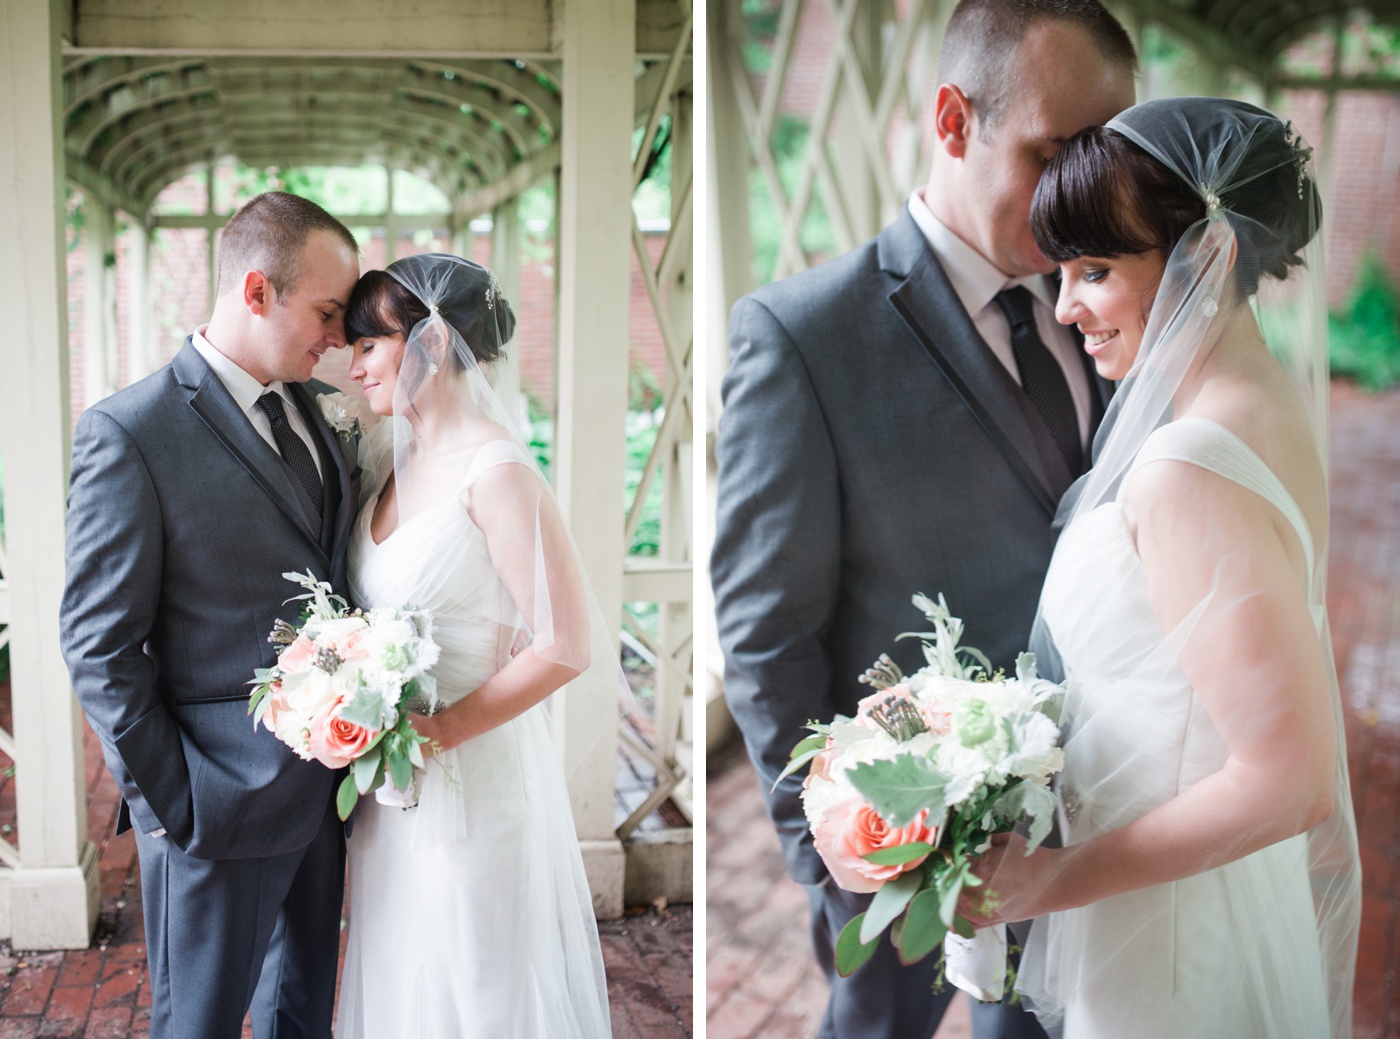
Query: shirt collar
{"type": "Point", "coordinates": [242, 387]}
{"type": "Point", "coordinates": [975, 279]}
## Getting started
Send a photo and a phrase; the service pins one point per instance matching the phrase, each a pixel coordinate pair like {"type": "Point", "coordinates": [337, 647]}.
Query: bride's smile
{"type": "Point", "coordinates": [1109, 299]}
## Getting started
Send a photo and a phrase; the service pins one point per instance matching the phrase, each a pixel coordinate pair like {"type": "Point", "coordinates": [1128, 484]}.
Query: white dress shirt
{"type": "Point", "coordinates": [976, 281]}
{"type": "Point", "coordinates": [245, 391]}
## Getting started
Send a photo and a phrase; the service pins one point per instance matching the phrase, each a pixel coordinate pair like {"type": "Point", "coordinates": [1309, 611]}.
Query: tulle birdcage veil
{"type": "Point", "coordinates": [1251, 265]}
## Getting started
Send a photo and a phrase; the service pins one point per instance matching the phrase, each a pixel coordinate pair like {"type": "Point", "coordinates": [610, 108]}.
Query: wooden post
{"type": "Point", "coordinates": [141, 347]}
{"type": "Point", "coordinates": [99, 343]}
{"type": "Point", "coordinates": [724, 201]}
{"type": "Point", "coordinates": [594, 291]}
{"type": "Point", "coordinates": [53, 893]}
{"type": "Point", "coordinates": [391, 226]}
{"type": "Point", "coordinates": [505, 264]}
{"type": "Point", "coordinates": [675, 702]}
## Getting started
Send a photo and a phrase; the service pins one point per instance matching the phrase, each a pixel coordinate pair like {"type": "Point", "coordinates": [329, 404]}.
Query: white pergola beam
{"type": "Point", "coordinates": [484, 28]}
{"type": "Point", "coordinates": [513, 29]}
{"type": "Point", "coordinates": [595, 217]}
{"type": "Point", "coordinates": [53, 895]}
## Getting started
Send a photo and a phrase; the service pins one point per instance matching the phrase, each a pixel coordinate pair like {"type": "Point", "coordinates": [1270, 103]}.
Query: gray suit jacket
{"type": "Point", "coordinates": [871, 446]}
{"type": "Point", "coordinates": [181, 522]}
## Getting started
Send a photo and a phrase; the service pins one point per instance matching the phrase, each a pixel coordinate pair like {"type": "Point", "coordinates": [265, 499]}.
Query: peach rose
{"type": "Point", "coordinates": [851, 829]}
{"type": "Point", "coordinates": [297, 656]}
{"type": "Point", "coordinates": [820, 767]}
{"type": "Point", "coordinates": [275, 703]}
{"type": "Point", "coordinates": [336, 742]}
{"type": "Point", "coordinates": [938, 720]}
{"type": "Point", "coordinates": [350, 647]}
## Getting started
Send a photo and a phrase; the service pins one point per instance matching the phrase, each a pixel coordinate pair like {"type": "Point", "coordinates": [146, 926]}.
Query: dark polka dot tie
{"type": "Point", "coordinates": [1041, 375]}
{"type": "Point", "coordinates": [292, 448]}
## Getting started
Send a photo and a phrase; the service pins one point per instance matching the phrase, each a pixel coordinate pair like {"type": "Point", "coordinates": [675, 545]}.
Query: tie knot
{"type": "Point", "coordinates": [1018, 305]}
{"type": "Point", "coordinates": [271, 404]}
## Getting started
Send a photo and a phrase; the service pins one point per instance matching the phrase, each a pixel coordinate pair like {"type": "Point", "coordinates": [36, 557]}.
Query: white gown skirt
{"type": "Point", "coordinates": [470, 915]}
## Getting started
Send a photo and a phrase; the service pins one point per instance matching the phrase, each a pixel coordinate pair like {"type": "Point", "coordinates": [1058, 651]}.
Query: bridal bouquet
{"type": "Point", "coordinates": [341, 686]}
{"type": "Point", "coordinates": [902, 797]}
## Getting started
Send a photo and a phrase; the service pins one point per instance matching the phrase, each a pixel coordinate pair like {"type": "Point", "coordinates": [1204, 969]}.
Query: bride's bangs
{"type": "Point", "coordinates": [380, 307]}
{"type": "Point", "coordinates": [1092, 200]}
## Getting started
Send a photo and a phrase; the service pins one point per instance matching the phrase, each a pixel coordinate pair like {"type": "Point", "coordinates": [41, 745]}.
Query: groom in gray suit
{"type": "Point", "coordinates": [904, 419]}
{"type": "Point", "coordinates": [192, 492]}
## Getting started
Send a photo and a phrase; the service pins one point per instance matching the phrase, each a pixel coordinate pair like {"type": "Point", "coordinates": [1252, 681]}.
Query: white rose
{"type": "Point", "coordinates": [332, 631]}
{"type": "Point", "coordinates": [306, 692]}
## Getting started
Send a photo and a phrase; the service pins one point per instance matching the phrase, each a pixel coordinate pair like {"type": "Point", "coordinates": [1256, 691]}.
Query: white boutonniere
{"type": "Point", "coordinates": [340, 413]}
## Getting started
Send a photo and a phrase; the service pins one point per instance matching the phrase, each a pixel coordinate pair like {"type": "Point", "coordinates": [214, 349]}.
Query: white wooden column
{"type": "Point", "coordinates": [674, 696]}
{"type": "Point", "coordinates": [211, 235]}
{"type": "Point", "coordinates": [99, 302]}
{"type": "Point", "coordinates": [141, 348]}
{"type": "Point", "coordinates": [391, 225]}
{"type": "Point", "coordinates": [725, 206]}
{"type": "Point", "coordinates": [53, 893]}
{"type": "Point", "coordinates": [595, 277]}
{"type": "Point", "coordinates": [505, 264]}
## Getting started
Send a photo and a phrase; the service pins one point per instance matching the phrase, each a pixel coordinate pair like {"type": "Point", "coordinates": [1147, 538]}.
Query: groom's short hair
{"type": "Point", "coordinates": [268, 234]}
{"type": "Point", "coordinates": [980, 43]}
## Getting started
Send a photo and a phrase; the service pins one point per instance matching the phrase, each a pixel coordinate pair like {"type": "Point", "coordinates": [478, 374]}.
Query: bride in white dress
{"type": "Point", "coordinates": [1209, 885]}
{"type": "Point", "coordinates": [470, 916]}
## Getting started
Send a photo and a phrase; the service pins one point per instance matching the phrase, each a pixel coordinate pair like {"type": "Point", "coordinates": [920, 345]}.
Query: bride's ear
{"type": "Point", "coordinates": [435, 339]}
{"type": "Point", "coordinates": [952, 119]}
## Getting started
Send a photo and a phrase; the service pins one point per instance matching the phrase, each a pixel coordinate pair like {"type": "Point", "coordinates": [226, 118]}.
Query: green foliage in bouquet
{"type": "Point", "coordinates": [1002, 734]}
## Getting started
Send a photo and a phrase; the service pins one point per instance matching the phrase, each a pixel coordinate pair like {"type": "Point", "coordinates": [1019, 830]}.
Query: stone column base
{"type": "Point", "coordinates": [606, 866]}
{"type": "Point", "coordinates": [54, 907]}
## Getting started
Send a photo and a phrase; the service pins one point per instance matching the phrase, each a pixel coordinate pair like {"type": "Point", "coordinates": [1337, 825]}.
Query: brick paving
{"type": "Point", "coordinates": [761, 980]}
{"type": "Point", "coordinates": [102, 992]}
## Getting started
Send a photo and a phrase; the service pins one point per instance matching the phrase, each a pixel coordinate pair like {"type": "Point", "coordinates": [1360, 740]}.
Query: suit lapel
{"type": "Point", "coordinates": [931, 309]}
{"type": "Point", "coordinates": [211, 401]}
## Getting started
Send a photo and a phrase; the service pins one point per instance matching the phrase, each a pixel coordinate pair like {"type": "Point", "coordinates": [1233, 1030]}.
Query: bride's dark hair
{"type": "Point", "coordinates": [1104, 196]}
{"type": "Point", "coordinates": [381, 305]}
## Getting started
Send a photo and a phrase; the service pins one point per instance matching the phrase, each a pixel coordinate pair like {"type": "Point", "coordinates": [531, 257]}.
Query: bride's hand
{"type": "Point", "coordinates": [430, 728]}
{"type": "Point", "coordinates": [1014, 885]}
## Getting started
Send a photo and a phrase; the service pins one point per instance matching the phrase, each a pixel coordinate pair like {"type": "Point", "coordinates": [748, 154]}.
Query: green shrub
{"type": "Point", "coordinates": [1364, 337]}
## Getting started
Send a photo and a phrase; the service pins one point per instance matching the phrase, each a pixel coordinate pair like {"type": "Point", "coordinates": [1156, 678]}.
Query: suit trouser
{"type": "Point", "coordinates": [227, 935]}
{"type": "Point", "coordinates": [885, 999]}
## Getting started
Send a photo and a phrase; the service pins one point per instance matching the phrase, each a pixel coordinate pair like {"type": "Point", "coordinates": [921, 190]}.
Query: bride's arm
{"type": "Point", "coordinates": [1222, 583]}
{"type": "Point", "coordinates": [531, 551]}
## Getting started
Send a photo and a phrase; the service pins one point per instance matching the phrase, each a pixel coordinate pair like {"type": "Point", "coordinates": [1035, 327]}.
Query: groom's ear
{"type": "Point", "coordinates": [258, 293]}
{"type": "Point", "coordinates": [952, 119]}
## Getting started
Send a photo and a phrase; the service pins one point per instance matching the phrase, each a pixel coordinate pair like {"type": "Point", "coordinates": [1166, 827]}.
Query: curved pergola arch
{"type": "Point", "coordinates": [1254, 34]}
{"type": "Point", "coordinates": [141, 122]}
{"type": "Point", "coordinates": [422, 151]}
{"type": "Point", "coordinates": [94, 78]}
